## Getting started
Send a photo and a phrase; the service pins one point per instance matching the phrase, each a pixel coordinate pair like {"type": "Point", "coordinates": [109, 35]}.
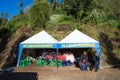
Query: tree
{"type": "Point", "coordinates": [21, 8]}
{"type": "Point", "coordinates": [78, 8]}
{"type": "Point", "coordinates": [54, 4]}
{"type": "Point", "coordinates": [39, 14]}
{"type": "Point", "coordinates": [3, 18]}
{"type": "Point", "coordinates": [115, 7]}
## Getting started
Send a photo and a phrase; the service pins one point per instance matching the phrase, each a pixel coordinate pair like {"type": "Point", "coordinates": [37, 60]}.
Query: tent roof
{"type": "Point", "coordinates": [40, 38]}
{"type": "Point", "coordinates": [78, 37]}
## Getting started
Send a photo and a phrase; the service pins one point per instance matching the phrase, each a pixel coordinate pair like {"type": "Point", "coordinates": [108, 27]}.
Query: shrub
{"type": "Point", "coordinates": [16, 22]}
{"type": "Point", "coordinates": [114, 23]}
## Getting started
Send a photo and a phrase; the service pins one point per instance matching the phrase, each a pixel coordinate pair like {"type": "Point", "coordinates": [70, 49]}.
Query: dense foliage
{"type": "Point", "coordinates": [90, 12]}
{"type": "Point", "coordinates": [39, 14]}
{"type": "Point", "coordinates": [73, 12]}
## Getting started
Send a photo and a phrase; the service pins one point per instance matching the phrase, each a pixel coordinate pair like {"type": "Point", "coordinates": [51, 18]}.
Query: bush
{"type": "Point", "coordinates": [16, 22]}
{"type": "Point", "coordinates": [64, 26]}
{"type": "Point", "coordinates": [56, 19]}
{"type": "Point", "coordinates": [111, 23]}
{"type": "Point", "coordinates": [65, 18]}
{"type": "Point", "coordinates": [114, 23]}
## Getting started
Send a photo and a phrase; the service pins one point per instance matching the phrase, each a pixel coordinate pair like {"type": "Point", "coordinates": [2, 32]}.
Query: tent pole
{"type": "Point", "coordinates": [19, 54]}
{"type": "Point", "coordinates": [57, 59]}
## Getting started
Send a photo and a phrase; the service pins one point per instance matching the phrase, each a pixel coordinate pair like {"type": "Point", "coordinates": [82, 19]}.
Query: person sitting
{"type": "Point", "coordinates": [53, 54]}
{"type": "Point", "coordinates": [49, 57]}
{"type": "Point", "coordinates": [96, 59]}
{"type": "Point", "coordinates": [44, 53]}
{"type": "Point", "coordinates": [71, 57]}
{"type": "Point", "coordinates": [84, 61]}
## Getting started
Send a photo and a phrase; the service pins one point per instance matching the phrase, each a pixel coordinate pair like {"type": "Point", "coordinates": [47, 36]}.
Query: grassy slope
{"type": "Point", "coordinates": [108, 37]}
{"type": "Point", "coordinates": [9, 53]}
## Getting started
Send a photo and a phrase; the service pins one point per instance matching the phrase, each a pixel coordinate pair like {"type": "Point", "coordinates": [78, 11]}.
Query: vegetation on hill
{"type": "Point", "coordinates": [99, 19]}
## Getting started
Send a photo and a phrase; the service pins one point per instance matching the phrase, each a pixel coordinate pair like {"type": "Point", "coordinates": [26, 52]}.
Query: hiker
{"type": "Point", "coordinates": [96, 59]}
{"type": "Point", "coordinates": [84, 61]}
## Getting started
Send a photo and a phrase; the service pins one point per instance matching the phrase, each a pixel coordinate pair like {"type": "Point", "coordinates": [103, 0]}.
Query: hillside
{"type": "Point", "coordinates": [109, 40]}
{"type": "Point", "coordinates": [96, 18]}
{"type": "Point", "coordinates": [8, 55]}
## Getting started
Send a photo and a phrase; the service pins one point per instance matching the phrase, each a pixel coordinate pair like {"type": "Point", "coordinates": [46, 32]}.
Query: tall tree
{"type": "Point", "coordinates": [21, 8]}
{"type": "Point", "coordinates": [39, 14]}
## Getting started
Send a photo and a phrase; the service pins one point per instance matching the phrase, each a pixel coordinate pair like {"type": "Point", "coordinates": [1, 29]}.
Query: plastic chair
{"type": "Point", "coordinates": [59, 63]}
{"type": "Point", "coordinates": [22, 63]}
{"type": "Point", "coordinates": [51, 63]}
{"type": "Point", "coordinates": [29, 61]}
{"type": "Point", "coordinates": [55, 63]}
{"type": "Point", "coordinates": [44, 62]}
{"type": "Point", "coordinates": [39, 62]}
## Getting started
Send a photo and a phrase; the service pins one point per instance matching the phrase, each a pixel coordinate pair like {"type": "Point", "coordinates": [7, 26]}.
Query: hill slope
{"type": "Point", "coordinates": [9, 54]}
{"type": "Point", "coordinates": [108, 37]}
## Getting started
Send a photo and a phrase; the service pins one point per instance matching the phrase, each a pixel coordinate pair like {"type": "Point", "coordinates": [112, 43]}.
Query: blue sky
{"type": "Point", "coordinates": [11, 6]}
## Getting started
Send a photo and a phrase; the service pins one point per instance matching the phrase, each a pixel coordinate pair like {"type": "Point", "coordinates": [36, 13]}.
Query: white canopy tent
{"type": "Point", "coordinates": [42, 37]}
{"type": "Point", "coordinates": [40, 40]}
{"type": "Point", "coordinates": [77, 39]}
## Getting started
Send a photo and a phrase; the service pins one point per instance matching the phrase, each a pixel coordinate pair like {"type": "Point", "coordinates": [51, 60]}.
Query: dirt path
{"type": "Point", "coordinates": [62, 73]}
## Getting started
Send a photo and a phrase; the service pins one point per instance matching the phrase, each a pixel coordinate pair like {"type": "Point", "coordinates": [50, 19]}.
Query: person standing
{"type": "Point", "coordinates": [96, 59]}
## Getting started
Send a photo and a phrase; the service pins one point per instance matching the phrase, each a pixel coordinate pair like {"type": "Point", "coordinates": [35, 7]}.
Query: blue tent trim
{"type": "Point", "coordinates": [47, 45]}
{"type": "Point", "coordinates": [78, 45]}
{"type": "Point", "coordinates": [19, 54]}
{"type": "Point", "coordinates": [99, 53]}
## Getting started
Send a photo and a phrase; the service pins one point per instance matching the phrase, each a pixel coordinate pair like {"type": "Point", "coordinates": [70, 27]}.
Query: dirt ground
{"type": "Point", "coordinates": [34, 72]}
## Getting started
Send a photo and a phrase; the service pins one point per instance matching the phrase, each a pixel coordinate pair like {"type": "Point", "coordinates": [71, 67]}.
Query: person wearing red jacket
{"type": "Point", "coordinates": [49, 57]}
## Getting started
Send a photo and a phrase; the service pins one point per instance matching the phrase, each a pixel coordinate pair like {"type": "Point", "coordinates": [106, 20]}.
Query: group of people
{"type": "Point", "coordinates": [68, 56]}
{"type": "Point", "coordinates": [84, 63]}
{"type": "Point", "coordinates": [48, 55]}
{"type": "Point", "coordinates": [83, 60]}
{"type": "Point", "coordinates": [51, 55]}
